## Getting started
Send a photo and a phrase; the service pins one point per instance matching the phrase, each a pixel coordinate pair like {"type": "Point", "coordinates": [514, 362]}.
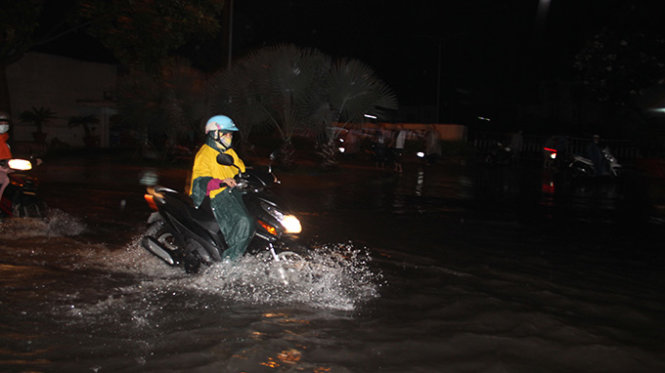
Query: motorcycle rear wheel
{"type": "Point", "coordinates": [165, 237]}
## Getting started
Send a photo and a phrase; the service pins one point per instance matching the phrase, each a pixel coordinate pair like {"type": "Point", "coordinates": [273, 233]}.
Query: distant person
{"type": "Point", "coordinates": [216, 181]}
{"type": "Point", "coordinates": [516, 144]}
{"type": "Point", "coordinates": [5, 152]}
{"type": "Point", "coordinates": [380, 149]}
{"type": "Point", "coordinates": [400, 140]}
{"type": "Point", "coordinates": [594, 151]}
{"type": "Point", "coordinates": [432, 146]}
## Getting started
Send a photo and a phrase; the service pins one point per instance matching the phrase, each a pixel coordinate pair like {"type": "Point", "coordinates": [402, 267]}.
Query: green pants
{"type": "Point", "coordinates": [236, 224]}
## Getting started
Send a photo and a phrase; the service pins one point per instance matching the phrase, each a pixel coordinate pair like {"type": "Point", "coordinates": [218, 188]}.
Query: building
{"type": "Point", "coordinates": [67, 87]}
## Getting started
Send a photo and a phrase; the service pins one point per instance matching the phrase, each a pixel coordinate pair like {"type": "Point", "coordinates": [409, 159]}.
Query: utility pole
{"type": "Point", "coordinates": [228, 31]}
{"type": "Point", "coordinates": [438, 82]}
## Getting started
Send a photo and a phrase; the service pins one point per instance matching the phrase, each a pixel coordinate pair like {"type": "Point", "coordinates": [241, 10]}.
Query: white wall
{"type": "Point", "coordinates": [66, 86]}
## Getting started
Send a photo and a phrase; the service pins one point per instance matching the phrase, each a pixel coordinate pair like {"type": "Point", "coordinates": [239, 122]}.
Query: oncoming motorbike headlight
{"type": "Point", "coordinates": [19, 164]}
{"type": "Point", "coordinates": [291, 224]}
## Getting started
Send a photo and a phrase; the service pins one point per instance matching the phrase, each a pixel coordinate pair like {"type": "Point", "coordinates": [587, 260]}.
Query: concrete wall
{"type": "Point", "coordinates": [67, 87]}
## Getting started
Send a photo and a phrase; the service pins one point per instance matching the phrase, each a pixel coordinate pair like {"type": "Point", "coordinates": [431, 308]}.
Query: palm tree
{"type": "Point", "coordinates": [85, 121]}
{"type": "Point", "coordinates": [353, 90]}
{"type": "Point", "coordinates": [38, 116]}
{"type": "Point", "coordinates": [292, 90]}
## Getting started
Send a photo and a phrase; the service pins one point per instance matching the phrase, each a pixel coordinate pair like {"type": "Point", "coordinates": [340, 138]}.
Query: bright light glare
{"type": "Point", "coordinates": [20, 164]}
{"type": "Point", "coordinates": [291, 224]}
{"type": "Point", "coordinates": [341, 149]}
{"type": "Point", "coordinates": [370, 116]}
{"type": "Point", "coordinates": [553, 155]}
{"type": "Point", "coordinates": [420, 155]}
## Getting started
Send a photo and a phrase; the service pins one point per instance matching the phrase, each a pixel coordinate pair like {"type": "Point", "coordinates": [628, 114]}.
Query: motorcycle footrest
{"type": "Point", "coordinates": [152, 245]}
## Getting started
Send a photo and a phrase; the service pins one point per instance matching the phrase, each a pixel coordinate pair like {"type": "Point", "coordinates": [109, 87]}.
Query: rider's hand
{"type": "Point", "coordinates": [214, 184]}
{"type": "Point", "coordinates": [230, 182]}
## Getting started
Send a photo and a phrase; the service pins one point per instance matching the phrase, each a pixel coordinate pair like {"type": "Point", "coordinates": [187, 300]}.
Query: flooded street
{"type": "Point", "coordinates": [451, 268]}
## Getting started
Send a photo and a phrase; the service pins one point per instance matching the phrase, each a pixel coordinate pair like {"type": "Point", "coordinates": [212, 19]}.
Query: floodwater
{"type": "Point", "coordinates": [444, 268]}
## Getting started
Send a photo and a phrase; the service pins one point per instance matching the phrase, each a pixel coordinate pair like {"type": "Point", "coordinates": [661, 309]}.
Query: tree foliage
{"type": "Point", "coordinates": [293, 90]}
{"type": "Point", "coordinates": [140, 33]}
{"type": "Point", "coordinates": [625, 56]}
{"type": "Point", "coordinates": [18, 22]}
{"type": "Point", "coordinates": [163, 109]}
{"type": "Point", "coordinates": [143, 32]}
{"type": "Point", "coordinates": [84, 121]}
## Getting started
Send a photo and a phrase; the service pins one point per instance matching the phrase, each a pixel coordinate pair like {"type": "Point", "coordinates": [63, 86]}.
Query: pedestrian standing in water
{"type": "Point", "coordinates": [400, 140]}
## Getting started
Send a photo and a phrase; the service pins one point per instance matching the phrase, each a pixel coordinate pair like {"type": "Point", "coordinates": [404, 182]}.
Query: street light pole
{"type": "Point", "coordinates": [230, 32]}
{"type": "Point", "coordinates": [438, 82]}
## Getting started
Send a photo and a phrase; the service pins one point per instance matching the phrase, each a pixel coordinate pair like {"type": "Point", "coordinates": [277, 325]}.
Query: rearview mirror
{"type": "Point", "coordinates": [225, 159]}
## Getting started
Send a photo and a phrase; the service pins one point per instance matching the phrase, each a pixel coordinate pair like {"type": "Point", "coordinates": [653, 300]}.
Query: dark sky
{"type": "Point", "coordinates": [484, 50]}
{"type": "Point", "coordinates": [480, 47]}
{"type": "Point", "coordinates": [402, 40]}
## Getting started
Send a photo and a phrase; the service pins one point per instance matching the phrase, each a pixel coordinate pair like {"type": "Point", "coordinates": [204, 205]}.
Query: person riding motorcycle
{"type": "Point", "coordinates": [594, 151]}
{"type": "Point", "coordinates": [216, 181]}
{"type": "Point", "coordinates": [5, 152]}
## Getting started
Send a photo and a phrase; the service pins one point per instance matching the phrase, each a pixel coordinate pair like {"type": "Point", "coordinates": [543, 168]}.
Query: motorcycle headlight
{"type": "Point", "coordinates": [19, 164]}
{"type": "Point", "coordinates": [291, 224]}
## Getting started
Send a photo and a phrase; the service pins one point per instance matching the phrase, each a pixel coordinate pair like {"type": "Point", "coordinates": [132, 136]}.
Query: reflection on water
{"type": "Point", "coordinates": [418, 190]}
{"type": "Point", "coordinates": [438, 295]}
{"type": "Point", "coordinates": [522, 192]}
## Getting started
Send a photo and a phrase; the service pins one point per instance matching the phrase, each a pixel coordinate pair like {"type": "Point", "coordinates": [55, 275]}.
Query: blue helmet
{"type": "Point", "coordinates": [220, 123]}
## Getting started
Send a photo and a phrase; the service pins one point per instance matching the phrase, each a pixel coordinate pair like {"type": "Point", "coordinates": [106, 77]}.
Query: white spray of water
{"type": "Point", "coordinates": [57, 224]}
{"type": "Point", "coordinates": [331, 276]}
{"type": "Point", "coordinates": [334, 276]}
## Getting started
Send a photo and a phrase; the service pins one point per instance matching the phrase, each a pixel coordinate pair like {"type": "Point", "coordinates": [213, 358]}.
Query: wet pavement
{"type": "Point", "coordinates": [453, 267]}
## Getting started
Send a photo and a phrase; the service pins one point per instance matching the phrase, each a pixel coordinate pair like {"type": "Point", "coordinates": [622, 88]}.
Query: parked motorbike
{"type": "Point", "coordinates": [20, 198]}
{"type": "Point", "coordinates": [499, 155]}
{"type": "Point", "coordinates": [582, 166]}
{"type": "Point", "coordinates": [183, 235]}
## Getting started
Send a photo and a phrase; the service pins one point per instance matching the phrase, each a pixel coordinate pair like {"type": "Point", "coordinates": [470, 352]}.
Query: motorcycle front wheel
{"type": "Point", "coordinates": [29, 209]}
{"type": "Point", "coordinates": [290, 267]}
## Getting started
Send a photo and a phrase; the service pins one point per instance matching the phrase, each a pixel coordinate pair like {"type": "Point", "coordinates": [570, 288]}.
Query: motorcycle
{"type": "Point", "coordinates": [500, 154]}
{"type": "Point", "coordinates": [183, 235]}
{"type": "Point", "coordinates": [20, 198]}
{"type": "Point", "coordinates": [582, 166]}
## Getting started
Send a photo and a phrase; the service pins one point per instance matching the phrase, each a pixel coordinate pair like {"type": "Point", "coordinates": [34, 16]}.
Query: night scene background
{"type": "Point", "coordinates": [456, 214]}
{"type": "Point", "coordinates": [543, 66]}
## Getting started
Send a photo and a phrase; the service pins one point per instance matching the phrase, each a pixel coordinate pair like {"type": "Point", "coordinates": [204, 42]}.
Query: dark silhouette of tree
{"type": "Point", "coordinates": [18, 22]}
{"type": "Point", "coordinates": [296, 90]}
{"type": "Point", "coordinates": [140, 33]}
{"type": "Point", "coordinates": [86, 121]}
{"type": "Point", "coordinates": [38, 116]}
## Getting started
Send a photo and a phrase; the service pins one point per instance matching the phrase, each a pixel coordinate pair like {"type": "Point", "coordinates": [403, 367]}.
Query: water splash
{"type": "Point", "coordinates": [333, 276]}
{"type": "Point", "coordinates": [57, 223]}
